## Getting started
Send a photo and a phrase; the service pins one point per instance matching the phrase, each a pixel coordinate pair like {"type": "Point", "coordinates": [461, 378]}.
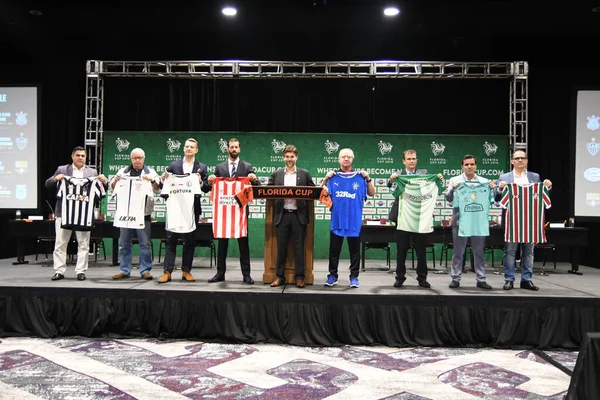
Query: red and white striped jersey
{"type": "Point", "coordinates": [524, 220]}
{"type": "Point", "coordinates": [229, 219]}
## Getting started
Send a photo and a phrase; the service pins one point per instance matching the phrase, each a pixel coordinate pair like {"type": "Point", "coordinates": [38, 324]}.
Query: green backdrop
{"type": "Point", "coordinates": [380, 155]}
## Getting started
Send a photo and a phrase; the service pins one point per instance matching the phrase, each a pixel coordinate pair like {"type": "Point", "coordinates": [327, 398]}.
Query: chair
{"type": "Point", "coordinates": [46, 241]}
{"type": "Point", "coordinates": [491, 250]}
{"type": "Point", "coordinates": [213, 250]}
{"type": "Point", "coordinates": [377, 245]}
{"type": "Point", "coordinates": [97, 243]}
{"type": "Point", "coordinates": [547, 247]}
{"type": "Point", "coordinates": [430, 246]}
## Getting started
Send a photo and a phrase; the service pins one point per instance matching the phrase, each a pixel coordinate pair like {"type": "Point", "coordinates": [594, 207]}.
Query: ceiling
{"type": "Point", "coordinates": [112, 29]}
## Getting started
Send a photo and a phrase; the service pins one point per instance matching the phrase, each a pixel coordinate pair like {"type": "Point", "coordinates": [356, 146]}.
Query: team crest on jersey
{"type": "Point", "coordinates": [223, 146]}
{"type": "Point", "coordinates": [173, 145]}
{"type": "Point", "coordinates": [21, 192]}
{"type": "Point", "coordinates": [473, 196]}
{"type": "Point", "coordinates": [437, 148]}
{"type": "Point", "coordinates": [122, 144]}
{"type": "Point", "coordinates": [21, 118]}
{"type": "Point", "coordinates": [592, 199]}
{"type": "Point", "coordinates": [593, 147]}
{"type": "Point", "coordinates": [277, 146]}
{"type": "Point", "coordinates": [331, 147]}
{"type": "Point", "coordinates": [22, 142]}
{"type": "Point", "coordinates": [490, 148]}
{"type": "Point", "coordinates": [593, 124]}
{"type": "Point", "coordinates": [188, 184]}
{"type": "Point", "coordinates": [385, 147]}
{"type": "Point", "coordinates": [355, 186]}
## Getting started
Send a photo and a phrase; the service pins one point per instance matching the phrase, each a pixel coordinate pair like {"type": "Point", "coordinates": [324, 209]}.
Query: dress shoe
{"type": "Point", "coordinates": [399, 282]}
{"type": "Point", "coordinates": [120, 275]}
{"type": "Point", "coordinates": [186, 276]}
{"type": "Point", "coordinates": [147, 276]}
{"type": "Point", "coordinates": [277, 282]}
{"type": "Point", "coordinates": [508, 285]}
{"type": "Point", "coordinates": [166, 277]}
{"type": "Point", "coordinates": [454, 284]}
{"type": "Point", "coordinates": [217, 278]}
{"type": "Point", "coordinates": [248, 280]}
{"type": "Point", "coordinates": [300, 283]}
{"type": "Point", "coordinates": [484, 285]}
{"type": "Point", "coordinates": [58, 277]}
{"type": "Point", "coordinates": [529, 285]}
{"type": "Point", "coordinates": [81, 276]}
{"type": "Point", "coordinates": [424, 284]}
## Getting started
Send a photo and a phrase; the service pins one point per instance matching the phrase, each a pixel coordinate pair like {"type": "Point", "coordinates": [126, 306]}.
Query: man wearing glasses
{"type": "Point", "coordinates": [519, 175]}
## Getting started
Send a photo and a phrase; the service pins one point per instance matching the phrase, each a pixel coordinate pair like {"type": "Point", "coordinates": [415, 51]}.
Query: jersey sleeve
{"type": "Point", "coordinates": [546, 196]}
{"type": "Point", "coordinates": [98, 188]}
{"type": "Point", "coordinates": [505, 196]}
{"type": "Point", "coordinates": [61, 188]}
{"type": "Point", "coordinates": [457, 194]}
{"type": "Point", "coordinates": [196, 186]}
{"type": "Point", "coordinates": [400, 187]}
{"type": "Point", "coordinates": [164, 193]}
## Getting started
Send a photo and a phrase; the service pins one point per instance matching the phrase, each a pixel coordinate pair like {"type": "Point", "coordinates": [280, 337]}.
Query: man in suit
{"type": "Point", "coordinates": [409, 159]}
{"type": "Point", "coordinates": [77, 169]}
{"type": "Point", "coordinates": [231, 168]}
{"type": "Point", "coordinates": [187, 165]}
{"type": "Point", "coordinates": [290, 216]}
{"type": "Point", "coordinates": [519, 175]}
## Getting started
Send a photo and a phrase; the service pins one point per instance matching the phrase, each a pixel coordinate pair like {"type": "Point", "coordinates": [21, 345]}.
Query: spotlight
{"type": "Point", "coordinates": [391, 11]}
{"type": "Point", "coordinates": [229, 11]}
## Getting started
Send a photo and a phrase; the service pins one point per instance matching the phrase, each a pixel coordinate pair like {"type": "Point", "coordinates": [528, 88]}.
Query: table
{"type": "Point", "coordinates": [22, 230]}
{"type": "Point", "coordinates": [574, 238]}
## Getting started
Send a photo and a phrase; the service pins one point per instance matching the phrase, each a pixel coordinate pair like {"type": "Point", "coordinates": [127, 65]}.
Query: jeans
{"type": "Point", "coordinates": [143, 236]}
{"type": "Point", "coordinates": [510, 249]}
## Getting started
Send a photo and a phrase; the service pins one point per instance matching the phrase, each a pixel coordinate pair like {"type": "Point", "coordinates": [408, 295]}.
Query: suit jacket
{"type": "Point", "coordinates": [243, 169]}
{"type": "Point", "coordinates": [67, 170]}
{"type": "Point", "coordinates": [176, 167]}
{"type": "Point", "coordinates": [303, 178]}
{"type": "Point", "coordinates": [510, 178]}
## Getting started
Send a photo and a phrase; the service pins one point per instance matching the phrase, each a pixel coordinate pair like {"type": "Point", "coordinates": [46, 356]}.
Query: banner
{"type": "Point", "coordinates": [379, 154]}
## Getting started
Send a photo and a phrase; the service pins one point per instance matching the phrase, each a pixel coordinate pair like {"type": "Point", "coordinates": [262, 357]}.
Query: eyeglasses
{"type": "Point", "coordinates": [520, 158]}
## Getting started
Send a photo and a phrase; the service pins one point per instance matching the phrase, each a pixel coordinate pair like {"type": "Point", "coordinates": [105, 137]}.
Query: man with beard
{"type": "Point", "coordinates": [290, 216]}
{"type": "Point", "coordinates": [234, 167]}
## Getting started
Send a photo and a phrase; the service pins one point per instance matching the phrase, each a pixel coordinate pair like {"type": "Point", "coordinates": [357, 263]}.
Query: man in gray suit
{"type": "Point", "coordinates": [290, 216]}
{"type": "Point", "coordinates": [520, 175]}
{"type": "Point", "coordinates": [77, 169]}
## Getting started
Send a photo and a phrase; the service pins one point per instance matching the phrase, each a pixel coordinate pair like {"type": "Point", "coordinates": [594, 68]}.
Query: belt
{"type": "Point", "coordinates": [289, 210]}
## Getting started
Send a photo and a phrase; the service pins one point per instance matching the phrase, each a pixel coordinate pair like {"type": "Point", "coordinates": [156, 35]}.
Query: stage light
{"type": "Point", "coordinates": [391, 11]}
{"type": "Point", "coordinates": [229, 11]}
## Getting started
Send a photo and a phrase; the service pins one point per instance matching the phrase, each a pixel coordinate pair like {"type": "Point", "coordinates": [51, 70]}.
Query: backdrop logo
{"type": "Point", "coordinates": [385, 147]}
{"type": "Point", "coordinates": [223, 146]}
{"type": "Point", "coordinates": [173, 145]}
{"type": "Point", "coordinates": [593, 147]}
{"type": "Point", "coordinates": [437, 148]}
{"type": "Point", "coordinates": [592, 174]}
{"type": "Point", "coordinates": [20, 192]}
{"type": "Point", "coordinates": [592, 199]}
{"type": "Point", "coordinates": [22, 142]}
{"type": "Point", "coordinates": [122, 144]}
{"type": "Point", "coordinates": [331, 147]}
{"type": "Point", "coordinates": [277, 146]}
{"type": "Point", "coordinates": [593, 124]}
{"type": "Point", "coordinates": [490, 148]}
{"type": "Point", "coordinates": [22, 118]}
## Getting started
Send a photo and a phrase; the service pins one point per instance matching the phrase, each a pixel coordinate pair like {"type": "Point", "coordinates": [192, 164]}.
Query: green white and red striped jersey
{"type": "Point", "coordinates": [524, 219]}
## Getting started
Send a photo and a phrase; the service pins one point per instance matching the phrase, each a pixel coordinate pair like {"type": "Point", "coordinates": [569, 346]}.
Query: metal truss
{"type": "Point", "coordinates": [516, 72]}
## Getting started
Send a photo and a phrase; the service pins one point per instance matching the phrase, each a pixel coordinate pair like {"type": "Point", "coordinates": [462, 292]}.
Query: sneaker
{"type": "Point", "coordinates": [454, 284]}
{"type": "Point", "coordinates": [331, 281]}
{"type": "Point", "coordinates": [484, 285]}
{"type": "Point", "coordinates": [354, 282]}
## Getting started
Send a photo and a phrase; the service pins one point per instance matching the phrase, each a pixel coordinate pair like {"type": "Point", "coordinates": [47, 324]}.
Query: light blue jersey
{"type": "Point", "coordinates": [473, 200]}
{"type": "Point", "coordinates": [348, 192]}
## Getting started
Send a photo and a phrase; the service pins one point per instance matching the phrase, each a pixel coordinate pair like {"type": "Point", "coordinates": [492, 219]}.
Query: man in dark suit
{"type": "Point", "coordinates": [231, 168]}
{"type": "Point", "coordinates": [77, 169]}
{"type": "Point", "coordinates": [290, 216]}
{"type": "Point", "coordinates": [187, 165]}
{"type": "Point", "coordinates": [519, 175]}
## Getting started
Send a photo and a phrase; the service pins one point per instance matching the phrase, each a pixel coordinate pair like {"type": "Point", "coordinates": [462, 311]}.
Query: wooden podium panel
{"type": "Point", "coordinates": [290, 265]}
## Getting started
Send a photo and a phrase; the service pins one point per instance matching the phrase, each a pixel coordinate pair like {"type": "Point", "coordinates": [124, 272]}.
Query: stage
{"type": "Point", "coordinates": [558, 316]}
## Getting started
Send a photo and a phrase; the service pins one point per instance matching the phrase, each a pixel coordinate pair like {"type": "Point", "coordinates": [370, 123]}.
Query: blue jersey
{"type": "Point", "coordinates": [473, 200]}
{"type": "Point", "coordinates": [348, 192]}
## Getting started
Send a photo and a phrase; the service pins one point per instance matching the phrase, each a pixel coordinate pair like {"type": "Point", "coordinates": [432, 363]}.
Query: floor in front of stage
{"type": "Point", "coordinates": [375, 280]}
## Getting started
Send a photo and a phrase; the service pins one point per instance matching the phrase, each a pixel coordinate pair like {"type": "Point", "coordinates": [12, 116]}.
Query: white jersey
{"type": "Point", "coordinates": [131, 194]}
{"type": "Point", "coordinates": [229, 219]}
{"type": "Point", "coordinates": [79, 196]}
{"type": "Point", "coordinates": [179, 192]}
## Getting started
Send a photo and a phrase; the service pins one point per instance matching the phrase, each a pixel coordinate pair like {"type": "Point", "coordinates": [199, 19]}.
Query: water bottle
{"type": "Point", "coordinates": [18, 214]}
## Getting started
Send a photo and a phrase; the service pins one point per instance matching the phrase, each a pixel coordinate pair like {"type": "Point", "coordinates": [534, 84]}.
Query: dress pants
{"type": "Point", "coordinates": [335, 248]}
{"type": "Point", "coordinates": [402, 246]}
{"type": "Point", "coordinates": [189, 245]}
{"type": "Point", "coordinates": [290, 226]}
{"type": "Point", "coordinates": [244, 256]}
{"type": "Point", "coordinates": [60, 249]}
{"type": "Point", "coordinates": [477, 246]}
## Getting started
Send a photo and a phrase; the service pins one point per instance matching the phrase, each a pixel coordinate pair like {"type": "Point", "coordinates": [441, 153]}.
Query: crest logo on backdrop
{"type": "Point", "coordinates": [593, 124]}
{"type": "Point", "coordinates": [173, 145]}
{"type": "Point", "coordinates": [437, 149]}
{"type": "Point", "coordinates": [331, 147]}
{"type": "Point", "coordinates": [22, 141]}
{"type": "Point", "coordinates": [122, 144]}
{"type": "Point", "coordinates": [593, 147]}
{"type": "Point", "coordinates": [21, 118]}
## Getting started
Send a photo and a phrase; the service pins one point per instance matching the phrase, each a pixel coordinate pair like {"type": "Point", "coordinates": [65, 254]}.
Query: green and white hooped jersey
{"type": "Point", "coordinates": [417, 195]}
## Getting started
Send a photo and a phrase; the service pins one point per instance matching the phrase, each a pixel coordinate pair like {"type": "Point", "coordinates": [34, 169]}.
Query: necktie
{"type": "Point", "coordinates": [233, 170]}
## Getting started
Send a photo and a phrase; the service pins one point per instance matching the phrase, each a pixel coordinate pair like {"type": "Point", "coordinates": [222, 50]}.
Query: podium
{"type": "Point", "coordinates": [290, 264]}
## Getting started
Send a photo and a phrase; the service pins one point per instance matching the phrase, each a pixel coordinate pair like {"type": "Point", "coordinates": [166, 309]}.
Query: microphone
{"type": "Point", "coordinates": [51, 209]}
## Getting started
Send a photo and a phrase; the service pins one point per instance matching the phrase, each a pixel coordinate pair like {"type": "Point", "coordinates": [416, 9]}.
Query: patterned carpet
{"type": "Point", "coordinates": [81, 368]}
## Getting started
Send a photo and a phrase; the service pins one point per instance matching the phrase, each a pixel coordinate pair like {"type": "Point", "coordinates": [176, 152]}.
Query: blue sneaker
{"type": "Point", "coordinates": [331, 280]}
{"type": "Point", "coordinates": [354, 282]}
